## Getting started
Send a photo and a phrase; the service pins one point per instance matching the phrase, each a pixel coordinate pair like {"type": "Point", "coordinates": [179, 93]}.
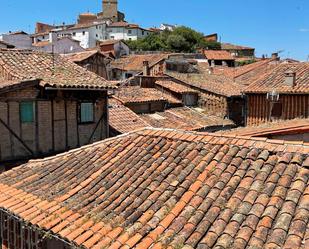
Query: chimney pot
{"type": "Point", "coordinates": [290, 78]}
{"type": "Point", "coordinates": [146, 70]}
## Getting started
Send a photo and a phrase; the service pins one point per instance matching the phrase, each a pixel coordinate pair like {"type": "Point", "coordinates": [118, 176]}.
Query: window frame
{"type": "Point", "coordinates": [80, 121]}
{"type": "Point", "coordinates": [22, 118]}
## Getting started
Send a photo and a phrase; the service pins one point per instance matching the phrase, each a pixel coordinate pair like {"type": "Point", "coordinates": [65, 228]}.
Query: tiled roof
{"type": "Point", "coordinates": [109, 42]}
{"type": "Point", "coordinates": [10, 84]}
{"type": "Point", "coordinates": [53, 70]}
{"type": "Point", "coordinates": [81, 56]}
{"type": "Point", "coordinates": [184, 118]}
{"type": "Point", "coordinates": [123, 24]}
{"type": "Point", "coordinates": [135, 62]}
{"type": "Point", "coordinates": [275, 80]}
{"type": "Point", "coordinates": [248, 73]}
{"type": "Point", "coordinates": [174, 87]}
{"type": "Point", "coordinates": [218, 55]}
{"type": "Point", "coordinates": [122, 119]}
{"type": "Point", "coordinates": [136, 94]}
{"type": "Point", "coordinates": [209, 82]}
{"type": "Point", "coordinates": [159, 188]}
{"type": "Point", "coordinates": [283, 127]}
{"type": "Point", "coordinates": [229, 46]}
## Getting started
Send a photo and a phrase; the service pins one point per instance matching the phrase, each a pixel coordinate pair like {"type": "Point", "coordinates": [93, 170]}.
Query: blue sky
{"type": "Point", "coordinates": [268, 25]}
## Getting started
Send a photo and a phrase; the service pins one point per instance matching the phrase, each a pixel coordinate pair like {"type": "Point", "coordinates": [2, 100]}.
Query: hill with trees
{"type": "Point", "coordinates": [182, 39]}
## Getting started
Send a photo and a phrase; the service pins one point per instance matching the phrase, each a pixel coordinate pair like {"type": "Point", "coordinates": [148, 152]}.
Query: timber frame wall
{"type": "Point", "coordinates": [56, 127]}
{"type": "Point", "coordinates": [259, 108]}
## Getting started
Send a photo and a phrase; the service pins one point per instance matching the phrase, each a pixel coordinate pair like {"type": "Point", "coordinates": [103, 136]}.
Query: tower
{"type": "Point", "coordinates": [110, 9]}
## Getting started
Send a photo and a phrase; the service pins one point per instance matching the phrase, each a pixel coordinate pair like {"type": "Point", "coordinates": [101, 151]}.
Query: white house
{"type": "Point", "coordinates": [168, 27]}
{"type": "Point", "coordinates": [86, 34]}
{"type": "Point", "coordinates": [126, 31]}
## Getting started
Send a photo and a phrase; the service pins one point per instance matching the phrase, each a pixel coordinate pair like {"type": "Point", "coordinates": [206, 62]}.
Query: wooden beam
{"type": "Point", "coordinates": [16, 136]}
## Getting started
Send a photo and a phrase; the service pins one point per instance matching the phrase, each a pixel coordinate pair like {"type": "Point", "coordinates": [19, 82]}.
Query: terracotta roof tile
{"type": "Point", "coordinates": [275, 80]}
{"type": "Point", "coordinates": [122, 119]}
{"type": "Point", "coordinates": [209, 82]}
{"type": "Point", "coordinates": [218, 55]}
{"type": "Point", "coordinates": [52, 70]}
{"type": "Point", "coordinates": [81, 56]}
{"type": "Point", "coordinates": [136, 94]}
{"type": "Point", "coordinates": [184, 118]}
{"type": "Point", "coordinates": [160, 188]}
{"type": "Point", "coordinates": [174, 87]}
{"type": "Point", "coordinates": [135, 62]}
{"type": "Point", "coordinates": [283, 127]}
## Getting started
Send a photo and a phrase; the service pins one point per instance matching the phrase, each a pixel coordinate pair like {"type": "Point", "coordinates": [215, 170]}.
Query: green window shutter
{"type": "Point", "coordinates": [86, 113]}
{"type": "Point", "coordinates": [27, 112]}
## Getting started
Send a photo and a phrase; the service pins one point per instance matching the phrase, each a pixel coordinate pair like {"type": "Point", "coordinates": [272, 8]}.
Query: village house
{"type": "Point", "coordinates": [219, 58]}
{"type": "Point", "coordinates": [92, 60]}
{"type": "Point", "coordinates": [238, 51]}
{"type": "Point", "coordinates": [249, 73]}
{"type": "Point", "coordinates": [218, 95]}
{"type": "Point", "coordinates": [161, 188]}
{"type": "Point", "coordinates": [126, 31]}
{"type": "Point", "coordinates": [19, 39]}
{"type": "Point", "coordinates": [145, 100]}
{"type": "Point", "coordinates": [281, 94]}
{"type": "Point", "coordinates": [64, 45]}
{"type": "Point", "coordinates": [48, 105]}
{"type": "Point", "coordinates": [132, 65]}
{"type": "Point", "coordinates": [117, 48]}
{"type": "Point", "coordinates": [87, 34]}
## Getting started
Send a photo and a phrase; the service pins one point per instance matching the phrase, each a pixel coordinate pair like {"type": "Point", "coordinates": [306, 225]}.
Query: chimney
{"type": "Point", "coordinates": [275, 56]}
{"type": "Point", "coordinates": [146, 70]}
{"type": "Point", "coordinates": [290, 78]}
{"type": "Point", "coordinates": [52, 36]}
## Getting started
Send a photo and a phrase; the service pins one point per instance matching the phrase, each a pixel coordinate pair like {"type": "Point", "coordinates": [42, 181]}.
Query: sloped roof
{"type": "Point", "coordinates": [217, 84]}
{"type": "Point", "coordinates": [174, 87]}
{"type": "Point", "coordinates": [184, 118]}
{"type": "Point", "coordinates": [275, 80]}
{"type": "Point", "coordinates": [229, 46]}
{"type": "Point", "coordinates": [248, 73]}
{"type": "Point", "coordinates": [135, 62]}
{"type": "Point", "coordinates": [52, 69]}
{"type": "Point", "coordinates": [136, 94]}
{"type": "Point", "coordinates": [282, 127]}
{"type": "Point", "coordinates": [122, 119]}
{"type": "Point", "coordinates": [81, 56]}
{"type": "Point", "coordinates": [159, 188]}
{"type": "Point", "coordinates": [218, 55]}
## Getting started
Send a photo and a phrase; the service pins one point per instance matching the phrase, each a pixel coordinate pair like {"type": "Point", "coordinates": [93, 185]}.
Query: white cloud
{"type": "Point", "coordinates": [303, 30]}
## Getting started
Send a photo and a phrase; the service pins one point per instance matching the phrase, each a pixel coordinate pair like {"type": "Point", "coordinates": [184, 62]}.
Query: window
{"type": "Point", "coordinates": [74, 34]}
{"type": "Point", "coordinates": [86, 113]}
{"type": "Point", "coordinates": [130, 31]}
{"type": "Point", "coordinates": [143, 32]}
{"type": "Point", "coordinates": [84, 32]}
{"type": "Point", "coordinates": [26, 112]}
{"type": "Point", "coordinates": [276, 111]}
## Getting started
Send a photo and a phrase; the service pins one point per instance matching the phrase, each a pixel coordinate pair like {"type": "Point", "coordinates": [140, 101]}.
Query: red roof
{"type": "Point", "coordinates": [158, 188]}
{"type": "Point", "coordinates": [218, 55]}
{"type": "Point", "coordinates": [275, 80]}
{"type": "Point", "coordinates": [52, 69]}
